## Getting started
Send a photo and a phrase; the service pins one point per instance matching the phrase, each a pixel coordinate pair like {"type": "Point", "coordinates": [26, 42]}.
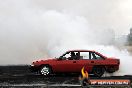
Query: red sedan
{"type": "Point", "coordinates": [72, 62]}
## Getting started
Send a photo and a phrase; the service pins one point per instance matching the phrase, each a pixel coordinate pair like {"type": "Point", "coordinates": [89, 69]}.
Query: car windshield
{"type": "Point", "coordinates": [62, 55]}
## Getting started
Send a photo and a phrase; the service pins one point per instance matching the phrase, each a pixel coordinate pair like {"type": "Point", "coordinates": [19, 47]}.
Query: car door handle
{"type": "Point", "coordinates": [74, 61]}
{"type": "Point", "coordinates": [92, 61]}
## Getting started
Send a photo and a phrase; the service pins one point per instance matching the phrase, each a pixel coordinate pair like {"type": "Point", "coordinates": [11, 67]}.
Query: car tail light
{"type": "Point", "coordinates": [118, 61]}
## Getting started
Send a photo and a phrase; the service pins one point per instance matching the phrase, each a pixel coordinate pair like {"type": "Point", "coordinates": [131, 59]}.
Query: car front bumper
{"type": "Point", "coordinates": [34, 68]}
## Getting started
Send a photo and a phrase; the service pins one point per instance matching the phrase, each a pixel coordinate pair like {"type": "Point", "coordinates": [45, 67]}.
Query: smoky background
{"type": "Point", "coordinates": [32, 30]}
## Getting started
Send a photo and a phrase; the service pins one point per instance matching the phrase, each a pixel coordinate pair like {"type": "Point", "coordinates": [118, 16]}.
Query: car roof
{"type": "Point", "coordinates": [86, 51]}
{"type": "Point", "coordinates": [81, 51]}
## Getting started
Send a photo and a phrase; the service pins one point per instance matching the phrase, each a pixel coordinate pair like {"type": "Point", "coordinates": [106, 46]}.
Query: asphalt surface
{"type": "Point", "coordinates": [21, 77]}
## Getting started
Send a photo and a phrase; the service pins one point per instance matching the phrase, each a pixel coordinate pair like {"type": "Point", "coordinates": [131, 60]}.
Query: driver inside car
{"type": "Point", "coordinates": [73, 56]}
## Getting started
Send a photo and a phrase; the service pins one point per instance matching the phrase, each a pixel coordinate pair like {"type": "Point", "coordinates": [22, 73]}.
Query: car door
{"type": "Point", "coordinates": [84, 61]}
{"type": "Point", "coordinates": [66, 65]}
{"type": "Point", "coordinates": [89, 60]}
{"type": "Point", "coordinates": [97, 59]}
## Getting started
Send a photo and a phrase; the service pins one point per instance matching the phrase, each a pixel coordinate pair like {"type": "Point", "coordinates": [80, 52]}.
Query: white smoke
{"type": "Point", "coordinates": [28, 33]}
{"type": "Point", "coordinates": [46, 32]}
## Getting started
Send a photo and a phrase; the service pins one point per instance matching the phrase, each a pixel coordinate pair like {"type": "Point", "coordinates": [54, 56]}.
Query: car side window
{"type": "Point", "coordinates": [69, 56]}
{"type": "Point", "coordinates": [73, 56]}
{"type": "Point", "coordinates": [65, 56]}
{"type": "Point", "coordinates": [96, 56]}
{"type": "Point", "coordinates": [84, 55]}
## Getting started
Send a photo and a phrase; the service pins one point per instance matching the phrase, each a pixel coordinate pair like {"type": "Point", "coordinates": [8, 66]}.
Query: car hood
{"type": "Point", "coordinates": [47, 59]}
{"type": "Point", "coordinates": [50, 59]}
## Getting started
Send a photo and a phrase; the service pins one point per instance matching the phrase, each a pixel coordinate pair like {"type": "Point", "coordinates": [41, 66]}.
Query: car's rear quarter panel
{"type": "Point", "coordinates": [107, 63]}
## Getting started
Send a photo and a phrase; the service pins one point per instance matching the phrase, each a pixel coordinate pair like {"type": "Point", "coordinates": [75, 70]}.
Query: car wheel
{"type": "Point", "coordinates": [98, 71]}
{"type": "Point", "coordinates": [45, 70]}
{"type": "Point", "coordinates": [111, 70]}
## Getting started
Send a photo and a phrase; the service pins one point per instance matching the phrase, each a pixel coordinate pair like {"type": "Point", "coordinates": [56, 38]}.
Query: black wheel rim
{"type": "Point", "coordinates": [98, 71]}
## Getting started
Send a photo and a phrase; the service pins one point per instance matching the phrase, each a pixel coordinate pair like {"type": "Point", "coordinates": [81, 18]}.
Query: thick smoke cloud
{"type": "Point", "coordinates": [36, 29]}
{"type": "Point", "coordinates": [28, 33]}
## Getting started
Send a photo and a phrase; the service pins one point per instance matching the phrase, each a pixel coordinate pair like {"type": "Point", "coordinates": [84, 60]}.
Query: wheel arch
{"type": "Point", "coordinates": [103, 66]}
{"type": "Point", "coordinates": [111, 68]}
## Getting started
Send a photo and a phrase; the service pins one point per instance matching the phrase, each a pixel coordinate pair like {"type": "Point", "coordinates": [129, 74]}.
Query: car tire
{"type": "Point", "coordinates": [98, 71]}
{"type": "Point", "coordinates": [111, 70]}
{"type": "Point", "coordinates": [45, 70]}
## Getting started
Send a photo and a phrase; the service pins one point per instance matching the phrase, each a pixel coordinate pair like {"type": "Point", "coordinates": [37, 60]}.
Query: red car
{"type": "Point", "coordinates": [72, 62]}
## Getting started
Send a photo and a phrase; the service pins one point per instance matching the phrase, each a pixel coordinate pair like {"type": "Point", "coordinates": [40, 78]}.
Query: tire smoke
{"type": "Point", "coordinates": [28, 33]}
